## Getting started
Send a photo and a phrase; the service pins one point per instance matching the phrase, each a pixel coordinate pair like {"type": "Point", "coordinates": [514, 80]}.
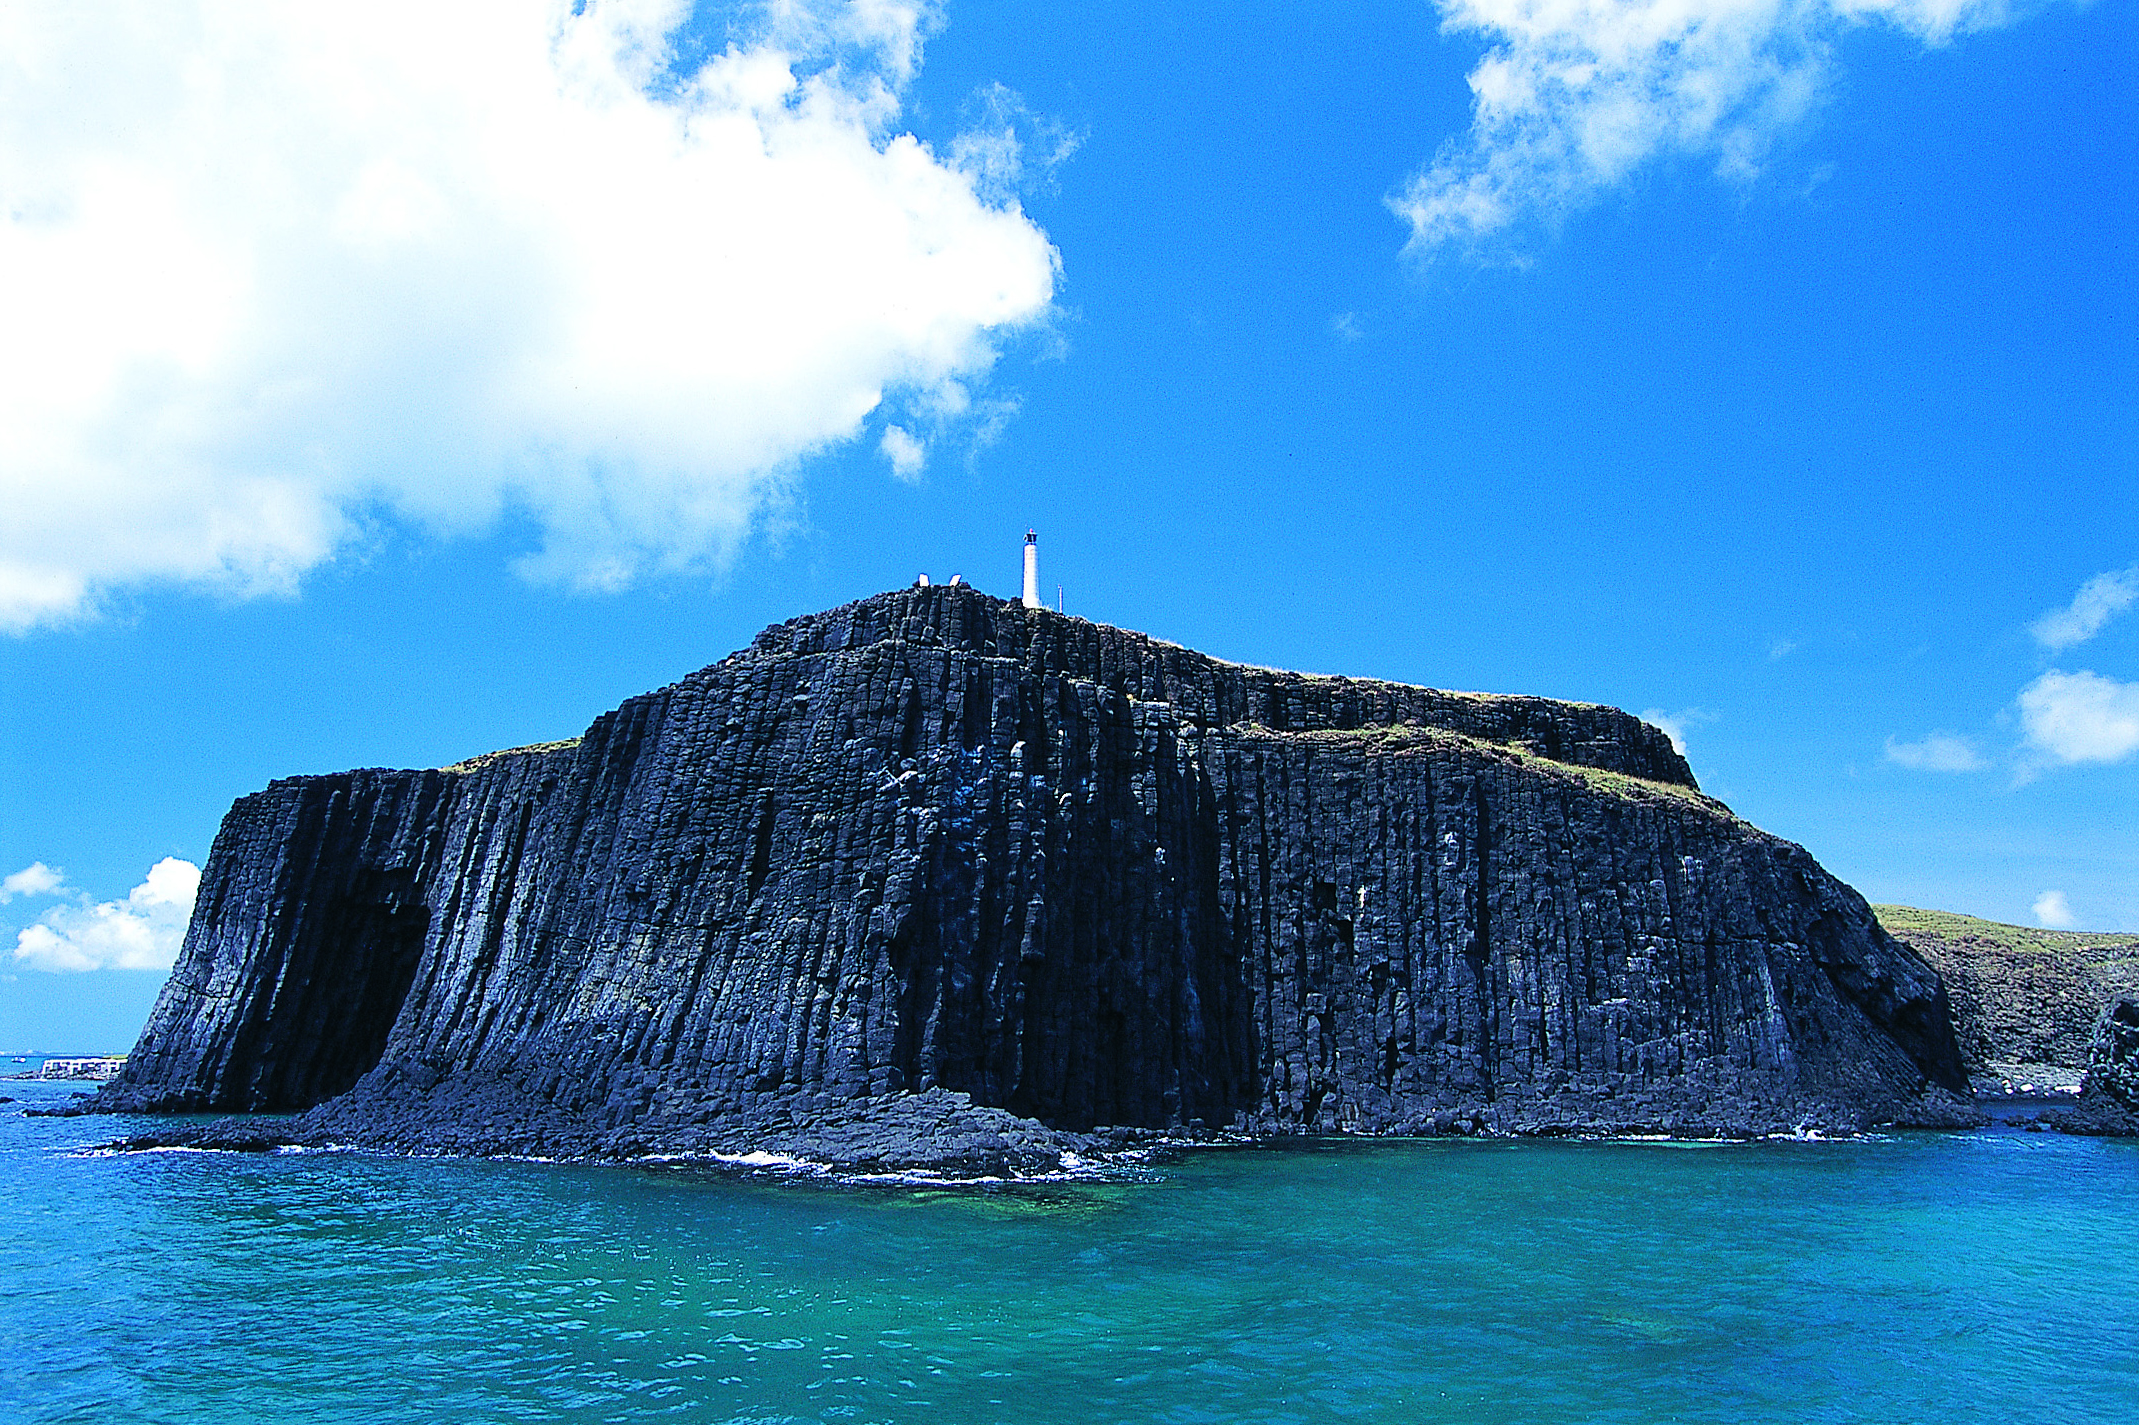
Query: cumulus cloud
{"type": "Point", "coordinates": [2054, 911]}
{"type": "Point", "coordinates": [142, 932]}
{"type": "Point", "coordinates": [2099, 600]}
{"type": "Point", "coordinates": [271, 273]}
{"type": "Point", "coordinates": [2080, 717]}
{"type": "Point", "coordinates": [1937, 752]}
{"type": "Point", "coordinates": [35, 879]}
{"type": "Point", "coordinates": [1574, 96]}
{"type": "Point", "coordinates": [907, 455]}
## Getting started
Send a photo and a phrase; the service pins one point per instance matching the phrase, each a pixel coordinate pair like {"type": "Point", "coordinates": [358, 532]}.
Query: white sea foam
{"type": "Point", "coordinates": [759, 1158]}
{"type": "Point", "coordinates": [1074, 1168]}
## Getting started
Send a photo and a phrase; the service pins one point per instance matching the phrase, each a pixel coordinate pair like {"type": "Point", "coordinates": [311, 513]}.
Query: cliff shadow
{"type": "Point", "coordinates": [327, 1020]}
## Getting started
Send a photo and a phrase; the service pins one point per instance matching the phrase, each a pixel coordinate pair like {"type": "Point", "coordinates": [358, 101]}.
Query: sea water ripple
{"type": "Point", "coordinates": [1925, 1276]}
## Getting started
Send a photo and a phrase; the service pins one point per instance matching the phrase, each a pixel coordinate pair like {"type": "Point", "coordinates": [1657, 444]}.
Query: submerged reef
{"type": "Point", "coordinates": [937, 878]}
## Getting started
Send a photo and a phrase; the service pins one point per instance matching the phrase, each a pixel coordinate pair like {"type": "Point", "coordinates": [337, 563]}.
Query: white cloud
{"type": "Point", "coordinates": [272, 272]}
{"type": "Point", "coordinates": [2099, 600]}
{"type": "Point", "coordinates": [908, 456]}
{"type": "Point", "coordinates": [2053, 910]}
{"type": "Point", "coordinates": [1007, 149]}
{"type": "Point", "coordinates": [1936, 752]}
{"type": "Point", "coordinates": [1676, 725]}
{"type": "Point", "coordinates": [35, 879]}
{"type": "Point", "coordinates": [1575, 96]}
{"type": "Point", "coordinates": [142, 932]}
{"type": "Point", "coordinates": [2080, 717]}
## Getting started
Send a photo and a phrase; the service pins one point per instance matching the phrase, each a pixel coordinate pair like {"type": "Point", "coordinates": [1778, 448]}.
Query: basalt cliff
{"type": "Point", "coordinates": [934, 877]}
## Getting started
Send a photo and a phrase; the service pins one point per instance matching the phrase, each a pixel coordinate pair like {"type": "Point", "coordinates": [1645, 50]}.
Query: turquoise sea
{"type": "Point", "coordinates": [1991, 1276]}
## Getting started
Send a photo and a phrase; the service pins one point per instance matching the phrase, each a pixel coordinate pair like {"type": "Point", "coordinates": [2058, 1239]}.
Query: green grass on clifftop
{"type": "Point", "coordinates": [1905, 920]}
{"type": "Point", "coordinates": [2025, 1000]}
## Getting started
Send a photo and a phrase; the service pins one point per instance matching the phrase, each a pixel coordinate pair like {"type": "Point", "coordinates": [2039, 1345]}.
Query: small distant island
{"type": "Point", "coordinates": [946, 881]}
{"type": "Point", "coordinates": [75, 1067]}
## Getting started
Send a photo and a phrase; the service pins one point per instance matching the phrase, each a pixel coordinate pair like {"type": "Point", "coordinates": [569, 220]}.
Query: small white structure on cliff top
{"type": "Point", "coordinates": [1032, 573]}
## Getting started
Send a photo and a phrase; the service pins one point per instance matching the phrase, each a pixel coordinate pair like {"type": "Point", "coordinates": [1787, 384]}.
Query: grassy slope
{"type": "Point", "coordinates": [2025, 1001]}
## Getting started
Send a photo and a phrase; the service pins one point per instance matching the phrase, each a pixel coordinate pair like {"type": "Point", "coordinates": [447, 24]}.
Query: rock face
{"type": "Point", "coordinates": [2109, 1098]}
{"type": "Point", "coordinates": [933, 855]}
{"type": "Point", "coordinates": [2026, 1001]}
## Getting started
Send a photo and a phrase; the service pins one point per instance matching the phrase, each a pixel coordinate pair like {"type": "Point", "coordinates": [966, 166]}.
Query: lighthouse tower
{"type": "Point", "coordinates": [1032, 571]}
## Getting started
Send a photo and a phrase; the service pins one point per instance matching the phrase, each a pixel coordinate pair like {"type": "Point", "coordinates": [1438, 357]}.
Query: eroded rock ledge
{"type": "Point", "coordinates": [935, 844]}
{"type": "Point", "coordinates": [2109, 1096]}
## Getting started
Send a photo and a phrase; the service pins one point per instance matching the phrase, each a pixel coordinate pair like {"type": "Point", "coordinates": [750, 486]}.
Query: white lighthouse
{"type": "Point", "coordinates": [1032, 571]}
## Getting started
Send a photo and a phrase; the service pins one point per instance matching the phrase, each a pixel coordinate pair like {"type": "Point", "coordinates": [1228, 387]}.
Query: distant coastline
{"type": "Point", "coordinates": [77, 1068]}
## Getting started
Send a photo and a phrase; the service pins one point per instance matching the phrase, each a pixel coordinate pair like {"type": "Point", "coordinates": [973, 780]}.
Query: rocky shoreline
{"type": "Point", "coordinates": [936, 1133]}
{"type": "Point", "coordinates": [941, 1134]}
{"type": "Point", "coordinates": [2109, 1100]}
{"type": "Point", "coordinates": [944, 1135]}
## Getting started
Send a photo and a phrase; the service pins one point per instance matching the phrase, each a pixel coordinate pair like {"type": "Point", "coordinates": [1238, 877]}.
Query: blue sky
{"type": "Point", "coordinates": [1762, 368]}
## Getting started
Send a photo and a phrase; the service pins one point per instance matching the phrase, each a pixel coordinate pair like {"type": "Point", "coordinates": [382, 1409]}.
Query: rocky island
{"type": "Point", "coordinates": [936, 879]}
